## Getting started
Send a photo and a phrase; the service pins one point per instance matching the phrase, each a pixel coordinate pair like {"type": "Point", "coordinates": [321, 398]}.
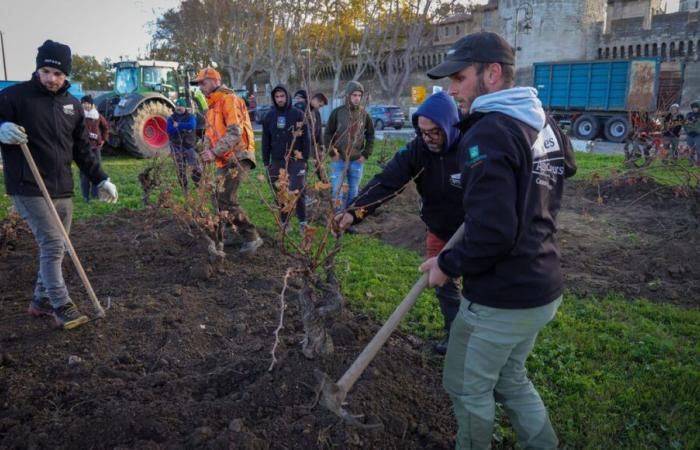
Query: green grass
{"type": "Point", "coordinates": [606, 166]}
{"type": "Point", "coordinates": [614, 372]}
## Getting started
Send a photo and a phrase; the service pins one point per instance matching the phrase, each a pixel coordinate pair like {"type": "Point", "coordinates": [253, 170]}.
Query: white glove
{"type": "Point", "coordinates": [107, 191]}
{"type": "Point", "coordinates": [12, 134]}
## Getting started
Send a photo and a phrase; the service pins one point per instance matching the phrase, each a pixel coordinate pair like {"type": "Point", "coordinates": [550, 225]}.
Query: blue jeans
{"type": "Point", "coordinates": [352, 176]}
{"type": "Point", "coordinates": [694, 144]}
{"type": "Point", "coordinates": [35, 211]}
{"type": "Point", "coordinates": [89, 190]}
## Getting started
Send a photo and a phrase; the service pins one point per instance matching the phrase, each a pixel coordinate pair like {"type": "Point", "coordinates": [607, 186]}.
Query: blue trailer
{"type": "Point", "coordinates": [76, 87]}
{"type": "Point", "coordinates": [598, 97]}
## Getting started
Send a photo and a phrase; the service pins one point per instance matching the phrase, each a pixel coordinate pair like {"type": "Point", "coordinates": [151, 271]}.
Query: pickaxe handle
{"type": "Point", "coordinates": [59, 224]}
{"type": "Point", "coordinates": [370, 351]}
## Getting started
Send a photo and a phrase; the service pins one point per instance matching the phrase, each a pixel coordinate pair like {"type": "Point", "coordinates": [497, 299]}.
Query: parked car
{"type": "Point", "coordinates": [261, 111]}
{"type": "Point", "coordinates": [386, 116]}
{"type": "Point", "coordinates": [250, 101]}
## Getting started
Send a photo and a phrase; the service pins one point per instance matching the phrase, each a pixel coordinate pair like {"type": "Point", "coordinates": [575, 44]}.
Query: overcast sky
{"type": "Point", "coordinates": [101, 28]}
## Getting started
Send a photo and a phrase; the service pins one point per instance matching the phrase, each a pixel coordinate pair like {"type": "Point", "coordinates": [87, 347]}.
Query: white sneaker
{"type": "Point", "coordinates": [250, 246]}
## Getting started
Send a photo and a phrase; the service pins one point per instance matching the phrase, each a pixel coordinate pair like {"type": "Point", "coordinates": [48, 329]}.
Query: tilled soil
{"type": "Point", "coordinates": [182, 358]}
{"type": "Point", "coordinates": [643, 240]}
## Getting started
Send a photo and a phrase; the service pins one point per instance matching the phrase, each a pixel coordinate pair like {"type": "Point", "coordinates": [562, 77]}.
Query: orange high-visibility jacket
{"type": "Point", "coordinates": [225, 109]}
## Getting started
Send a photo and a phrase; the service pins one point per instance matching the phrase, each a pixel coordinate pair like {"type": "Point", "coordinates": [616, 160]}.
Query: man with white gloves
{"type": "Point", "coordinates": [41, 113]}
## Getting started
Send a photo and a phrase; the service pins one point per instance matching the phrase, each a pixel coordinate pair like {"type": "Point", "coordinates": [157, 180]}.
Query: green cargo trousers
{"type": "Point", "coordinates": [485, 363]}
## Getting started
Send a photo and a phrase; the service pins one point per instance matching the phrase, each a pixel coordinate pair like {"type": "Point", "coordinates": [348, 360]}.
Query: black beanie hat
{"type": "Point", "coordinates": [301, 93]}
{"type": "Point", "coordinates": [54, 54]}
{"type": "Point", "coordinates": [87, 99]}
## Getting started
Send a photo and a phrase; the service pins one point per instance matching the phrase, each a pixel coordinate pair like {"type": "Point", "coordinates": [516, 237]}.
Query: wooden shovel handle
{"type": "Point", "coordinates": [370, 351]}
{"type": "Point", "coordinates": [59, 224]}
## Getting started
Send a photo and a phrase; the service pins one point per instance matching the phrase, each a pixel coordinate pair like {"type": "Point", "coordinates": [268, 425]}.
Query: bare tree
{"type": "Point", "coordinates": [396, 37]}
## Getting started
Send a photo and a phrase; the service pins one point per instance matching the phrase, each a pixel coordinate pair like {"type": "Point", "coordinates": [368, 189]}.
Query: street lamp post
{"type": "Point", "coordinates": [526, 8]}
{"type": "Point", "coordinates": [4, 61]}
{"type": "Point", "coordinates": [308, 67]}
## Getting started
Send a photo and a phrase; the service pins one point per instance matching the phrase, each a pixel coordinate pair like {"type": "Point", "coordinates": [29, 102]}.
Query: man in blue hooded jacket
{"type": "Point", "coordinates": [433, 162]}
{"type": "Point", "coordinates": [512, 179]}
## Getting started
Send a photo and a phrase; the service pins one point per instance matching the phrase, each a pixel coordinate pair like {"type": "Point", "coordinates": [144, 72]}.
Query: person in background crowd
{"type": "Point", "coordinates": [673, 124]}
{"type": "Point", "coordinates": [182, 131]}
{"type": "Point", "coordinates": [349, 138]}
{"type": "Point", "coordinates": [285, 146]}
{"type": "Point", "coordinates": [692, 131]}
{"type": "Point", "coordinates": [98, 134]}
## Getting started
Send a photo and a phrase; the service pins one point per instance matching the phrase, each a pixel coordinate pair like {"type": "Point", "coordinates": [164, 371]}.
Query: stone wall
{"type": "Point", "coordinates": [691, 85]}
{"type": "Point", "coordinates": [672, 37]}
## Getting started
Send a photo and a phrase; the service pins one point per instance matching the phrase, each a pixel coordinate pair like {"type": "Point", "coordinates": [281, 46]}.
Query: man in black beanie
{"type": "Point", "coordinates": [41, 113]}
{"type": "Point", "coordinates": [300, 100]}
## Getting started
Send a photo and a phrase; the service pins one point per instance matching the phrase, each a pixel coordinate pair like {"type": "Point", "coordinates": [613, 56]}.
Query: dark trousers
{"type": "Point", "coordinates": [87, 189]}
{"type": "Point", "coordinates": [296, 170]}
{"type": "Point", "coordinates": [226, 199]}
{"type": "Point", "coordinates": [448, 294]}
{"type": "Point", "coordinates": [183, 158]}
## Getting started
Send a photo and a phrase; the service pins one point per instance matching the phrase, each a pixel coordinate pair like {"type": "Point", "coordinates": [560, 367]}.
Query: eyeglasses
{"type": "Point", "coordinates": [433, 134]}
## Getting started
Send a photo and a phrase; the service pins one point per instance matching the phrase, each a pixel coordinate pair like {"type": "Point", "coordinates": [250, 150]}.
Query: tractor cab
{"type": "Point", "coordinates": [135, 76]}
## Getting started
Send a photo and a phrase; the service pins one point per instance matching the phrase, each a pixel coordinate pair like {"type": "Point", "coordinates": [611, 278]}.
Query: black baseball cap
{"type": "Point", "coordinates": [484, 47]}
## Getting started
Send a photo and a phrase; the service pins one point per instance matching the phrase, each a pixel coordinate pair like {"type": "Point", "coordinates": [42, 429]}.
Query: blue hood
{"type": "Point", "coordinates": [441, 109]}
{"type": "Point", "coordinates": [520, 103]}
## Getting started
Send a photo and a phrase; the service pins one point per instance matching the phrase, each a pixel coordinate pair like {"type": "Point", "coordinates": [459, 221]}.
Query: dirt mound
{"type": "Point", "coordinates": [643, 240]}
{"type": "Point", "coordinates": [181, 359]}
{"type": "Point", "coordinates": [397, 222]}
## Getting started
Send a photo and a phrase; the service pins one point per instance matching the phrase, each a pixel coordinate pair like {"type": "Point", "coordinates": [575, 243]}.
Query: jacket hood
{"type": "Point", "coordinates": [92, 114]}
{"type": "Point", "coordinates": [441, 109]}
{"type": "Point", "coordinates": [279, 87]}
{"type": "Point", "coordinates": [353, 86]}
{"type": "Point", "coordinates": [520, 103]}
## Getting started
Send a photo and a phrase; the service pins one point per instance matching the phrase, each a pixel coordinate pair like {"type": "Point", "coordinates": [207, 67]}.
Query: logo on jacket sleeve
{"type": "Point", "coordinates": [474, 156]}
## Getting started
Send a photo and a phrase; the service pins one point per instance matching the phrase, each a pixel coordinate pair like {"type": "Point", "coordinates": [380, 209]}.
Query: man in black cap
{"type": "Point", "coordinates": [512, 180]}
{"type": "Point", "coordinates": [41, 113]}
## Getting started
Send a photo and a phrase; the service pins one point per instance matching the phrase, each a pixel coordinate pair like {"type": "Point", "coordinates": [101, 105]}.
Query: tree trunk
{"type": "Point", "coordinates": [316, 340]}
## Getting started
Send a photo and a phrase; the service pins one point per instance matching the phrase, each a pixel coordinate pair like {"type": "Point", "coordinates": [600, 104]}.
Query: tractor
{"type": "Point", "coordinates": [144, 96]}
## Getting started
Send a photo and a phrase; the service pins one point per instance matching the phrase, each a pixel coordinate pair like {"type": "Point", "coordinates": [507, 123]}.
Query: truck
{"type": "Point", "coordinates": [144, 96]}
{"type": "Point", "coordinates": [603, 98]}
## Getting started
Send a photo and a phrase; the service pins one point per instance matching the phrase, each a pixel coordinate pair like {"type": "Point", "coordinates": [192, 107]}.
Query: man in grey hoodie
{"type": "Point", "coordinates": [512, 180]}
{"type": "Point", "coordinates": [349, 138]}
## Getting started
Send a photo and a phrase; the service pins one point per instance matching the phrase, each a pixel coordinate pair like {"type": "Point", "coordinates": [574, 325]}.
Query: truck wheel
{"type": "Point", "coordinates": [616, 129]}
{"type": "Point", "coordinates": [586, 127]}
{"type": "Point", "coordinates": [144, 133]}
{"type": "Point", "coordinates": [379, 125]}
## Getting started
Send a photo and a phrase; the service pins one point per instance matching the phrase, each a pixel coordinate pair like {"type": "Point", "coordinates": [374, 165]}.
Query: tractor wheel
{"type": "Point", "coordinates": [144, 133]}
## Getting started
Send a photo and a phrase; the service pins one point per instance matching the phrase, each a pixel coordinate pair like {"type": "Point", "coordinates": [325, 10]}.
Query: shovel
{"type": "Point", "coordinates": [59, 224]}
{"type": "Point", "coordinates": [333, 394]}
